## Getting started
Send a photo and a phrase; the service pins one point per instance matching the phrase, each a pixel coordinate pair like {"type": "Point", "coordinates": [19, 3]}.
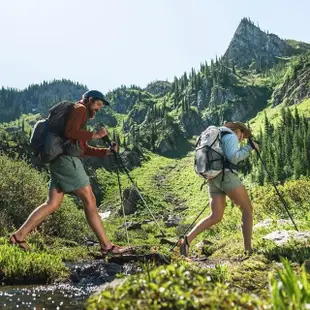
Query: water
{"type": "Point", "coordinates": [63, 296]}
{"type": "Point", "coordinates": [85, 278]}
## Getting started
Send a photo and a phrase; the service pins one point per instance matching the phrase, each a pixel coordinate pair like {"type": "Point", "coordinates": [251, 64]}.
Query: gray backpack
{"type": "Point", "coordinates": [209, 157]}
{"type": "Point", "coordinates": [47, 138]}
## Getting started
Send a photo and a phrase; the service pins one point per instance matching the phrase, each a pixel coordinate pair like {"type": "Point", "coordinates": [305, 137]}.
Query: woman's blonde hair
{"type": "Point", "coordinates": [238, 125]}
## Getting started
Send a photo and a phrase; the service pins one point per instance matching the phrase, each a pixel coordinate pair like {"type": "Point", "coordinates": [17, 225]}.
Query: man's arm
{"type": "Point", "coordinates": [231, 149]}
{"type": "Point", "coordinates": [76, 120]}
{"type": "Point", "coordinates": [95, 151]}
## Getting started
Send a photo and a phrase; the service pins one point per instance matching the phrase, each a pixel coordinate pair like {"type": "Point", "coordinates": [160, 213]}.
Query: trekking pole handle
{"type": "Point", "coordinates": [251, 142]}
{"type": "Point", "coordinates": [110, 143]}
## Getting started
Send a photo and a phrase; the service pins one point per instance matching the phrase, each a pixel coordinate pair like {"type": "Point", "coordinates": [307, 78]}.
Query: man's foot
{"type": "Point", "coordinates": [184, 246]}
{"type": "Point", "coordinates": [115, 250]}
{"type": "Point", "coordinates": [22, 244]}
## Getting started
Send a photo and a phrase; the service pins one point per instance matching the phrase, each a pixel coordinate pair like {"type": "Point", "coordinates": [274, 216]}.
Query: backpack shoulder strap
{"type": "Point", "coordinates": [224, 133]}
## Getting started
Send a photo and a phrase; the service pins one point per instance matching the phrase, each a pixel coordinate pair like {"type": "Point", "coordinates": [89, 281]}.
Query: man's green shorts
{"type": "Point", "coordinates": [68, 174]}
{"type": "Point", "coordinates": [218, 186]}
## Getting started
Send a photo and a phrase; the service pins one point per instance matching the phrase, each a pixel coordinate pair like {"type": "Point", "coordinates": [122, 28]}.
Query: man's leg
{"type": "Point", "coordinates": [240, 197]}
{"type": "Point", "coordinates": [54, 200]}
{"type": "Point", "coordinates": [89, 201]}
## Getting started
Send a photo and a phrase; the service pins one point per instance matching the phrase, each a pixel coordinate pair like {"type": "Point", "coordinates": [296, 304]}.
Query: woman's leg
{"type": "Point", "coordinates": [217, 204]}
{"type": "Point", "coordinates": [240, 197]}
{"type": "Point", "coordinates": [54, 200]}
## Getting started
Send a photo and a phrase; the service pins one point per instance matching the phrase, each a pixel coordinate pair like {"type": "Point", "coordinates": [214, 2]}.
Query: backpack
{"type": "Point", "coordinates": [209, 157]}
{"type": "Point", "coordinates": [47, 138]}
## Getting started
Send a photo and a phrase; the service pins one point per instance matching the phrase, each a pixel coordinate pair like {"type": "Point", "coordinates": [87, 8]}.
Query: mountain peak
{"type": "Point", "coordinates": [253, 48]}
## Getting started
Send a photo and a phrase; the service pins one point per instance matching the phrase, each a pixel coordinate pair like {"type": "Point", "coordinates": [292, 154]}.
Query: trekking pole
{"type": "Point", "coordinates": [121, 197]}
{"type": "Point", "coordinates": [273, 183]}
{"type": "Point", "coordinates": [190, 227]}
{"type": "Point", "coordinates": [108, 141]}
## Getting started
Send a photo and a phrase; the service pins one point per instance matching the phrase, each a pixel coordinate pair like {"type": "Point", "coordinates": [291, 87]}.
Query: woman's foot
{"type": "Point", "coordinates": [114, 250]}
{"type": "Point", "coordinates": [22, 244]}
{"type": "Point", "coordinates": [184, 246]}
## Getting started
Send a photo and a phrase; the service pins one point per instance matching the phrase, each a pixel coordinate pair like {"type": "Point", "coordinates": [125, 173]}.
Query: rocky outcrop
{"type": "Point", "coordinates": [296, 86]}
{"type": "Point", "coordinates": [159, 88]}
{"type": "Point", "coordinates": [192, 123]}
{"type": "Point", "coordinates": [254, 48]}
{"type": "Point", "coordinates": [131, 199]}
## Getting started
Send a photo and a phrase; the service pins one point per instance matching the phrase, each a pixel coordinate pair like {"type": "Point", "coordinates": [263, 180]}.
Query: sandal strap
{"type": "Point", "coordinates": [106, 251]}
{"type": "Point", "coordinates": [19, 241]}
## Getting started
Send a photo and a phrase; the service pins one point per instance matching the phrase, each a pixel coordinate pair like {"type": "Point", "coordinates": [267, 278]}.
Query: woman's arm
{"type": "Point", "coordinates": [232, 152]}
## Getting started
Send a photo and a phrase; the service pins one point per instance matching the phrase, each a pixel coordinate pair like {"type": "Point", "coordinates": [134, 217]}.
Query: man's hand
{"type": "Point", "coordinates": [100, 133]}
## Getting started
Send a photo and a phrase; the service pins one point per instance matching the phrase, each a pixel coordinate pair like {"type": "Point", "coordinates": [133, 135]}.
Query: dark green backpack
{"type": "Point", "coordinates": [47, 138]}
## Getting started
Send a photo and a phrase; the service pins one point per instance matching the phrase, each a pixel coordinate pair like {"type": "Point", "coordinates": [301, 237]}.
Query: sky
{"type": "Point", "coordinates": [108, 43]}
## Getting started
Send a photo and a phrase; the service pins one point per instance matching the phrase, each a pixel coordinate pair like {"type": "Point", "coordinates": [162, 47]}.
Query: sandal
{"type": "Point", "coordinates": [14, 241]}
{"type": "Point", "coordinates": [184, 247]}
{"type": "Point", "coordinates": [111, 251]}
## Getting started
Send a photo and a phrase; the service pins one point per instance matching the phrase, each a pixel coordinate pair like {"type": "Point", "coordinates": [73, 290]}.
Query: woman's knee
{"type": "Point", "coordinates": [216, 217]}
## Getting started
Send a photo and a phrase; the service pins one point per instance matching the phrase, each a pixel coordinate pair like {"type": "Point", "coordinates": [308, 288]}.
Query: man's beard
{"type": "Point", "coordinates": [92, 113]}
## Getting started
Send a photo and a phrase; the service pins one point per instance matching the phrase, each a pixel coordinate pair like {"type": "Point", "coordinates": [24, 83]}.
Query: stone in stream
{"type": "Point", "coordinates": [95, 273]}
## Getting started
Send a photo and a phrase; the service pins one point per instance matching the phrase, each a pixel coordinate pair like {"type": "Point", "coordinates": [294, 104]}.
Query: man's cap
{"type": "Point", "coordinates": [238, 125]}
{"type": "Point", "coordinates": [95, 94]}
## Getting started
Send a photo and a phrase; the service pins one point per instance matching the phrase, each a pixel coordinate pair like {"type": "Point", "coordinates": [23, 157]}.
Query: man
{"type": "Point", "coordinates": [68, 175]}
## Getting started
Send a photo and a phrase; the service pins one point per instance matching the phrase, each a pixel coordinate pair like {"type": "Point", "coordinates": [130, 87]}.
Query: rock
{"type": "Point", "coordinates": [112, 285]}
{"type": "Point", "coordinates": [104, 215]}
{"type": "Point", "coordinates": [295, 89]}
{"type": "Point", "coordinates": [166, 145]}
{"type": "Point", "coordinates": [264, 224]}
{"type": "Point", "coordinates": [192, 123]}
{"type": "Point", "coordinates": [250, 43]}
{"type": "Point", "coordinates": [180, 209]}
{"type": "Point", "coordinates": [284, 222]}
{"type": "Point", "coordinates": [131, 199]}
{"type": "Point", "coordinates": [93, 273]}
{"type": "Point", "coordinates": [172, 221]}
{"type": "Point", "coordinates": [281, 237]}
{"type": "Point", "coordinates": [132, 225]}
{"type": "Point", "coordinates": [131, 159]}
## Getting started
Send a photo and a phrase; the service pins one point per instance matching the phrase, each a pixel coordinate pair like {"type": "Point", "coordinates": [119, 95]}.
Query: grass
{"type": "Point", "coordinates": [17, 266]}
{"type": "Point", "coordinates": [274, 115]}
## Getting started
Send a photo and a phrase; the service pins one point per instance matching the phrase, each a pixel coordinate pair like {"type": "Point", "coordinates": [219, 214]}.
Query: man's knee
{"type": "Point", "coordinates": [247, 208]}
{"type": "Point", "coordinates": [51, 205]}
{"type": "Point", "coordinates": [90, 200]}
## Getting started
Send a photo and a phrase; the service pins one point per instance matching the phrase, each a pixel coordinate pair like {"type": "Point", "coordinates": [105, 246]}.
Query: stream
{"type": "Point", "coordinates": [85, 279]}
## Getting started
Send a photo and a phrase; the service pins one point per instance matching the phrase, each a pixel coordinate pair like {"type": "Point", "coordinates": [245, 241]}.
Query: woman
{"type": "Point", "coordinates": [228, 185]}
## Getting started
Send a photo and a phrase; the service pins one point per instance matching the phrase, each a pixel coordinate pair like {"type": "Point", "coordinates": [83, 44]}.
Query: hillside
{"type": "Point", "coordinates": [262, 80]}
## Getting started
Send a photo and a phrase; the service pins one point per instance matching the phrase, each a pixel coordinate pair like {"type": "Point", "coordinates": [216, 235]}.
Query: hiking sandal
{"type": "Point", "coordinates": [109, 251]}
{"type": "Point", "coordinates": [183, 246]}
{"type": "Point", "coordinates": [14, 241]}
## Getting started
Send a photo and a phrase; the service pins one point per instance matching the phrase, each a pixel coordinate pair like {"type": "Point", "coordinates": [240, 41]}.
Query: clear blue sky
{"type": "Point", "coordinates": [106, 43]}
